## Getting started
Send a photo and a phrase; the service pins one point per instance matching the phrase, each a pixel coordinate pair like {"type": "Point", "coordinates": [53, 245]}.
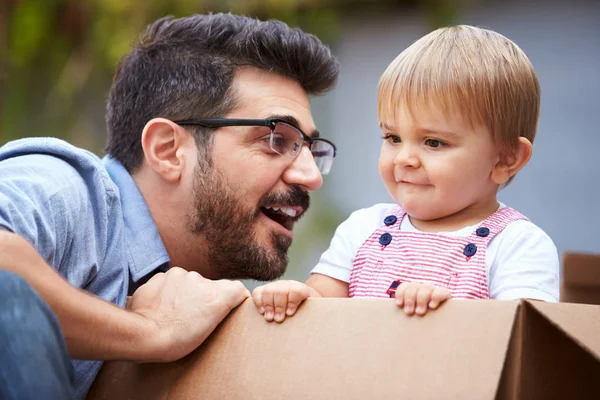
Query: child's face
{"type": "Point", "coordinates": [435, 167]}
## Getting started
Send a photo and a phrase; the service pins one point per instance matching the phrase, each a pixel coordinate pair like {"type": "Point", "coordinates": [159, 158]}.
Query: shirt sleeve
{"type": "Point", "coordinates": [337, 261]}
{"type": "Point", "coordinates": [44, 200]}
{"type": "Point", "coordinates": [526, 264]}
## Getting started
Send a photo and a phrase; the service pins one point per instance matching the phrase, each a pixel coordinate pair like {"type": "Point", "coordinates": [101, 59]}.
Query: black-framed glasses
{"type": "Point", "coordinates": [285, 139]}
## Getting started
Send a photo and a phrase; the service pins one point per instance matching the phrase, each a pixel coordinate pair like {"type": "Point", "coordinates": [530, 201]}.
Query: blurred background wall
{"type": "Point", "coordinates": [57, 58]}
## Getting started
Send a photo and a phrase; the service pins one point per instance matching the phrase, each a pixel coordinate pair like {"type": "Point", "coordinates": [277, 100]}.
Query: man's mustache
{"type": "Point", "coordinates": [295, 197]}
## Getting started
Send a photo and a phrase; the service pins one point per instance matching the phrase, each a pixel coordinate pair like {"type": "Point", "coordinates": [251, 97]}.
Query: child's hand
{"type": "Point", "coordinates": [418, 297]}
{"type": "Point", "coordinates": [279, 299]}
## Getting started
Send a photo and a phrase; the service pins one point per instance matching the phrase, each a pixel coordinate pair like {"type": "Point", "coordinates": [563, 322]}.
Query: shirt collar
{"type": "Point", "coordinates": [146, 249]}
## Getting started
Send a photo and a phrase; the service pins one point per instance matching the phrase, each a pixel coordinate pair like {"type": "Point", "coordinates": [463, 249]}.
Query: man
{"type": "Point", "coordinates": [211, 153]}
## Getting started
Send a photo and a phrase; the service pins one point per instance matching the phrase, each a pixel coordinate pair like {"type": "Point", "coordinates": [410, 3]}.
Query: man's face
{"type": "Point", "coordinates": [247, 199]}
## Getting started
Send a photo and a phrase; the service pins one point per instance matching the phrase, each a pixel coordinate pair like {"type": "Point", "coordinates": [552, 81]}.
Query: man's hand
{"type": "Point", "coordinates": [181, 309]}
{"type": "Point", "coordinates": [279, 299]}
{"type": "Point", "coordinates": [419, 297]}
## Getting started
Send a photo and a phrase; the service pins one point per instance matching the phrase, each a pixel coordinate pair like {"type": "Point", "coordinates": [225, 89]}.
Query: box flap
{"type": "Point", "coordinates": [581, 269]}
{"type": "Point", "coordinates": [509, 385]}
{"type": "Point", "coordinates": [334, 348]}
{"type": "Point", "coordinates": [581, 322]}
{"type": "Point", "coordinates": [546, 362]}
{"type": "Point", "coordinates": [580, 278]}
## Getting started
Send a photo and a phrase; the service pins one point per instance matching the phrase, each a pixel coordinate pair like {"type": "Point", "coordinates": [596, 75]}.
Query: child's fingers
{"type": "Point", "coordinates": [268, 303]}
{"type": "Point", "coordinates": [423, 297]}
{"type": "Point", "coordinates": [438, 296]}
{"type": "Point", "coordinates": [400, 294]}
{"type": "Point", "coordinates": [298, 293]}
{"type": "Point", "coordinates": [257, 298]}
{"type": "Point", "coordinates": [280, 302]}
{"type": "Point", "coordinates": [410, 299]}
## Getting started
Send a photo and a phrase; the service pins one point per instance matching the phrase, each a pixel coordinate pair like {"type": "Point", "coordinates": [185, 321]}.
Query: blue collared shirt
{"type": "Point", "coordinates": [85, 216]}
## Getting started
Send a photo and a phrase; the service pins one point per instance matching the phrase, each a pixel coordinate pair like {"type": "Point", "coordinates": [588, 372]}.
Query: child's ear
{"type": "Point", "coordinates": [508, 167]}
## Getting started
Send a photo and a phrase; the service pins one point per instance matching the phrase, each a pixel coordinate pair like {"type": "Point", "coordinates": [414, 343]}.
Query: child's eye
{"type": "Point", "coordinates": [392, 138]}
{"type": "Point", "coordinates": [434, 143]}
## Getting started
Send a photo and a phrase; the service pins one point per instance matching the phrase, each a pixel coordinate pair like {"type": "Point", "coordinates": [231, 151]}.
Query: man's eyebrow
{"type": "Point", "coordinates": [294, 122]}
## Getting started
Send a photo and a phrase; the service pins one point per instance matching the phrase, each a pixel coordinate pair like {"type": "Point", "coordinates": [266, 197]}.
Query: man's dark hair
{"type": "Point", "coordinates": [184, 68]}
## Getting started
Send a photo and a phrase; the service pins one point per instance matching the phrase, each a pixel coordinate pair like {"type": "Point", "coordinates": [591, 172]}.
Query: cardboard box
{"type": "Point", "coordinates": [368, 349]}
{"type": "Point", "coordinates": [580, 278]}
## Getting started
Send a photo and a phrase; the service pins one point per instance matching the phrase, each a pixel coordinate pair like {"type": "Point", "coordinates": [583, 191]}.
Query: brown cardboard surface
{"type": "Point", "coordinates": [552, 365]}
{"type": "Point", "coordinates": [334, 348]}
{"type": "Point", "coordinates": [368, 349]}
{"type": "Point", "coordinates": [580, 278]}
{"type": "Point", "coordinates": [553, 353]}
{"type": "Point", "coordinates": [581, 322]}
{"type": "Point", "coordinates": [509, 381]}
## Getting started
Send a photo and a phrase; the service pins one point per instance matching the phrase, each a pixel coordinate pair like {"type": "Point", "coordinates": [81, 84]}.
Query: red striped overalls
{"type": "Point", "coordinates": [391, 256]}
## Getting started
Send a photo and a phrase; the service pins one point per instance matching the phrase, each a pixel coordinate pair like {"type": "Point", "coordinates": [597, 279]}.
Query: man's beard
{"type": "Point", "coordinates": [228, 228]}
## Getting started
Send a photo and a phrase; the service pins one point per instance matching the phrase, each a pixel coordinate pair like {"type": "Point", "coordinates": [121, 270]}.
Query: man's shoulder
{"type": "Point", "coordinates": [50, 147]}
{"type": "Point", "coordinates": [54, 165]}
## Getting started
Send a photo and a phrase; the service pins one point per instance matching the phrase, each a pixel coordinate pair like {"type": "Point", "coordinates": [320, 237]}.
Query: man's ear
{"type": "Point", "coordinates": [508, 167]}
{"type": "Point", "coordinates": [164, 143]}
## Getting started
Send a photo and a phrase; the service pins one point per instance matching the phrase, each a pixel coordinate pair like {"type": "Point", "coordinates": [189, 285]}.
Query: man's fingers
{"type": "Point", "coordinates": [176, 272]}
{"type": "Point", "coordinates": [237, 293]}
{"type": "Point", "coordinates": [156, 281]}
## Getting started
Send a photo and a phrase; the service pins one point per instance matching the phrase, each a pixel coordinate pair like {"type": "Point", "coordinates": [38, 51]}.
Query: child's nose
{"type": "Point", "coordinates": [407, 157]}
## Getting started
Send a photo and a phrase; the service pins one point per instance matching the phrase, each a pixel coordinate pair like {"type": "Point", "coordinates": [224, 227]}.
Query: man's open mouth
{"type": "Point", "coordinates": [283, 215]}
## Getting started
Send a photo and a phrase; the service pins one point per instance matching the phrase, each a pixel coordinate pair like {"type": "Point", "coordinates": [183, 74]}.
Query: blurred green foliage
{"type": "Point", "coordinates": [58, 56]}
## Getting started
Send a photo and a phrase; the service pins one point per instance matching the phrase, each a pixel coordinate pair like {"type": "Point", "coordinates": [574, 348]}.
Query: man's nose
{"type": "Point", "coordinates": [303, 171]}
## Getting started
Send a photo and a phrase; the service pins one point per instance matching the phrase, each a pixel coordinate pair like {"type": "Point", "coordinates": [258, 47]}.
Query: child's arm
{"type": "Point", "coordinates": [525, 264]}
{"type": "Point", "coordinates": [279, 299]}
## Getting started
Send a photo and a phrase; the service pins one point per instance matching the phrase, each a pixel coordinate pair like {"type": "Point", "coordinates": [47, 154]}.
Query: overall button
{"type": "Point", "coordinates": [385, 239]}
{"type": "Point", "coordinates": [482, 232]}
{"type": "Point", "coordinates": [470, 249]}
{"type": "Point", "coordinates": [390, 220]}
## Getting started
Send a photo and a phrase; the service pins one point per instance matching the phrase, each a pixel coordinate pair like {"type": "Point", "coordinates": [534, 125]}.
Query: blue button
{"type": "Point", "coordinates": [483, 231]}
{"type": "Point", "coordinates": [469, 250]}
{"type": "Point", "coordinates": [385, 239]}
{"type": "Point", "coordinates": [390, 220]}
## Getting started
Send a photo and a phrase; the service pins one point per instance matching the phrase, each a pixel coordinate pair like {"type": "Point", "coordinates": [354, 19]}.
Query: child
{"type": "Point", "coordinates": [458, 112]}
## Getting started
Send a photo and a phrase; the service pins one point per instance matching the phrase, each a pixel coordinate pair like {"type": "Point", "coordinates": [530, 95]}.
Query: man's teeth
{"type": "Point", "coordinates": [290, 212]}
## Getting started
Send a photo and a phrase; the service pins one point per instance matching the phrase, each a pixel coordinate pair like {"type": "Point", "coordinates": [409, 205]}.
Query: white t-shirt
{"type": "Point", "coordinates": [521, 261]}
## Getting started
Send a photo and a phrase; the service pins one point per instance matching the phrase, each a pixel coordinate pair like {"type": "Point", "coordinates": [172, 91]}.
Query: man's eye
{"type": "Point", "coordinates": [392, 138]}
{"type": "Point", "coordinates": [434, 143]}
{"type": "Point", "coordinates": [278, 141]}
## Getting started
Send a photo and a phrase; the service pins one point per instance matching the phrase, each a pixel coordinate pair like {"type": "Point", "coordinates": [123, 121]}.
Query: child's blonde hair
{"type": "Point", "coordinates": [479, 74]}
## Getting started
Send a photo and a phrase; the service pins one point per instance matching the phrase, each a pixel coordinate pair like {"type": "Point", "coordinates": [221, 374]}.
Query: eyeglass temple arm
{"type": "Point", "coordinates": [221, 122]}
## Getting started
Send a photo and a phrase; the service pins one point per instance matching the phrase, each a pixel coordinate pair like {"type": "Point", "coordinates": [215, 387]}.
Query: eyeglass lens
{"type": "Point", "coordinates": [287, 140]}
